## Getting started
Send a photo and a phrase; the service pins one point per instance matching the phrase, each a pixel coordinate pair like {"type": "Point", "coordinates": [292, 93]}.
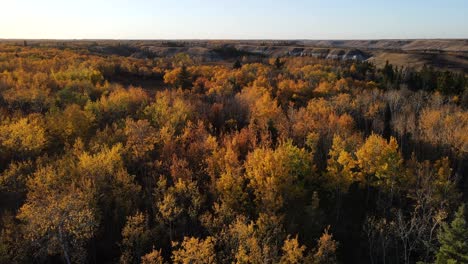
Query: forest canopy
{"type": "Point", "coordinates": [109, 158]}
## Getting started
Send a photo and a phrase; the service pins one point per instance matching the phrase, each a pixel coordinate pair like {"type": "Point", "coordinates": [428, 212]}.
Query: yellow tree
{"type": "Point", "coordinates": [13, 178]}
{"type": "Point", "coordinates": [194, 251]}
{"type": "Point", "coordinates": [341, 164]}
{"type": "Point", "coordinates": [255, 241]}
{"type": "Point", "coordinates": [277, 177]}
{"type": "Point", "coordinates": [264, 112]}
{"type": "Point", "coordinates": [104, 175]}
{"type": "Point", "coordinates": [24, 137]}
{"type": "Point", "coordinates": [169, 111]}
{"type": "Point", "coordinates": [70, 124]}
{"type": "Point", "coordinates": [229, 182]}
{"type": "Point", "coordinates": [118, 104]}
{"type": "Point", "coordinates": [293, 252]}
{"type": "Point", "coordinates": [325, 252]}
{"type": "Point", "coordinates": [230, 187]}
{"type": "Point", "coordinates": [141, 138]}
{"type": "Point", "coordinates": [57, 216]}
{"type": "Point", "coordinates": [342, 167]}
{"type": "Point", "coordinates": [154, 257]}
{"type": "Point", "coordinates": [136, 238]}
{"type": "Point", "coordinates": [380, 162]}
{"type": "Point", "coordinates": [177, 205]}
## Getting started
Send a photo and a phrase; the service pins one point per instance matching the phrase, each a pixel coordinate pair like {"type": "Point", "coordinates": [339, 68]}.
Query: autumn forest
{"type": "Point", "coordinates": [114, 155]}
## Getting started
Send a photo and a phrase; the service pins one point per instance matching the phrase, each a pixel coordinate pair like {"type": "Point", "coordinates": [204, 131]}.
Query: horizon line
{"type": "Point", "coordinates": [231, 39]}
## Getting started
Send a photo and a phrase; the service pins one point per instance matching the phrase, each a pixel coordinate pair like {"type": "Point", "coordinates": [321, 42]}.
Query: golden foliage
{"type": "Point", "coordinates": [277, 176]}
{"type": "Point", "coordinates": [195, 251]}
{"type": "Point", "coordinates": [325, 252]}
{"type": "Point", "coordinates": [380, 161]}
{"type": "Point", "coordinates": [141, 138]}
{"type": "Point", "coordinates": [25, 136]}
{"type": "Point", "coordinates": [154, 257]}
{"type": "Point", "coordinates": [293, 252]}
{"type": "Point", "coordinates": [445, 127]}
{"type": "Point", "coordinates": [341, 164]}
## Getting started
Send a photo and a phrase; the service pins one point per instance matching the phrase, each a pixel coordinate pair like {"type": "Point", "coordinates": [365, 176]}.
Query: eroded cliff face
{"type": "Point", "coordinates": [442, 45]}
{"type": "Point", "coordinates": [213, 53]}
{"type": "Point", "coordinates": [440, 54]}
{"type": "Point", "coordinates": [326, 53]}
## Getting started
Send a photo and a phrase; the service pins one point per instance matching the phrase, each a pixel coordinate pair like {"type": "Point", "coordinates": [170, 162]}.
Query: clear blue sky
{"type": "Point", "coordinates": [230, 19]}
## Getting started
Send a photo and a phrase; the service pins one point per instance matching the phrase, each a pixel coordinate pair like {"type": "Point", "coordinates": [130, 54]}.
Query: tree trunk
{"type": "Point", "coordinates": [64, 247]}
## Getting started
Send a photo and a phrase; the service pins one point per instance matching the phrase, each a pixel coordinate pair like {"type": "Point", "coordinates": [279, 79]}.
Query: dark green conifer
{"type": "Point", "coordinates": [454, 240]}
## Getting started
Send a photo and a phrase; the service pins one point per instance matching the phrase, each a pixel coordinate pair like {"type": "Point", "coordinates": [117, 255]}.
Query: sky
{"type": "Point", "coordinates": [230, 19]}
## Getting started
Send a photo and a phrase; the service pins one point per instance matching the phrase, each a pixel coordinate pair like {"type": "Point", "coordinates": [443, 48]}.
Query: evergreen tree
{"type": "Point", "coordinates": [278, 63]}
{"type": "Point", "coordinates": [388, 75]}
{"type": "Point", "coordinates": [454, 240]}
{"type": "Point", "coordinates": [237, 65]}
{"type": "Point", "coordinates": [184, 78]}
